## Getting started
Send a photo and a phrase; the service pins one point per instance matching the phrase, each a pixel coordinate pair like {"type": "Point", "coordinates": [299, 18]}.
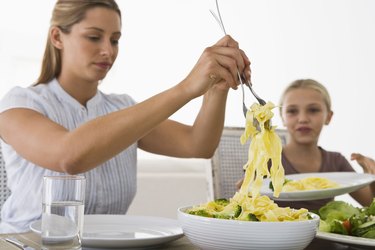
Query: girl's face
{"type": "Point", "coordinates": [91, 48]}
{"type": "Point", "coordinates": [304, 113]}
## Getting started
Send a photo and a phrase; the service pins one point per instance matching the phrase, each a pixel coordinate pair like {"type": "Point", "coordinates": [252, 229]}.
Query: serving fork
{"type": "Point", "coordinates": [242, 79]}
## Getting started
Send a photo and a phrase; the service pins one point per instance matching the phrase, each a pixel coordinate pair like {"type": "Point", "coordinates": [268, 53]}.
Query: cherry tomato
{"type": "Point", "coordinates": [347, 225]}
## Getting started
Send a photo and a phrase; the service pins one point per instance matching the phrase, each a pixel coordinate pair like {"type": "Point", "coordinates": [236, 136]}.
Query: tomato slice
{"type": "Point", "coordinates": [347, 225]}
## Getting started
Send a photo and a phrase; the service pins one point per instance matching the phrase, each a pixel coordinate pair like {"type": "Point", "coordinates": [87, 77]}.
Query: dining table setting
{"type": "Point", "coordinates": [248, 220]}
{"type": "Point", "coordinates": [194, 231]}
{"type": "Point", "coordinates": [190, 232]}
{"type": "Point", "coordinates": [229, 226]}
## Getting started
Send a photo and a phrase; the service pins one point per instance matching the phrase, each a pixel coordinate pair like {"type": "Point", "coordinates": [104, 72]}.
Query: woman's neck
{"type": "Point", "coordinates": [80, 90]}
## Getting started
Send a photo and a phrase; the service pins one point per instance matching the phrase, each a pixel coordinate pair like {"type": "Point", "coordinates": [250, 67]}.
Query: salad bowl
{"type": "Point", "coordinates": [213, 233]}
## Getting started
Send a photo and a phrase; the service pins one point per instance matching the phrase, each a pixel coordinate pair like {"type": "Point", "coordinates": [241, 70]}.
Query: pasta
{"type": "Point", "coordinates": [265, 146]}
{"type": "Point", "coordinates": [309, 183]}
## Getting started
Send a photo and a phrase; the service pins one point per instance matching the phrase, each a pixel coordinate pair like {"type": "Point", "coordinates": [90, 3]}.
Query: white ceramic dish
{"type": "Point", "coordinates": [346, 239]}
{"type": "Point", "coordinates": [212, 234]}
{"type": "Point", "coordinates": [348, 181]}
{"type": "Point", "coordinates": [113, 231]}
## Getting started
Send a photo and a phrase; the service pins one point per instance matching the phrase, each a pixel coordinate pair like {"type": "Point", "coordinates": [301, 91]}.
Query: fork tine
{"type": "Point", "coordinates": [267, 124]}
{"type": "Point", "coordinates": [244, 109]}
{"type": "Point", "coordinates": [260, 100]}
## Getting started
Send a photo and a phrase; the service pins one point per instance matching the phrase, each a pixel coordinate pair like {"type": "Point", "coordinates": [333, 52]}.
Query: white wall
{"type": "Point", "coordinates": [166, 184]}
{"type": "Point", "coordinates": [329, 40]}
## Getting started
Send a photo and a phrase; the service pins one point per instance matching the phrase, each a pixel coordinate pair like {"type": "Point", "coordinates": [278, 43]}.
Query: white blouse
{"type": "Point", "coordinates": [110, 187]}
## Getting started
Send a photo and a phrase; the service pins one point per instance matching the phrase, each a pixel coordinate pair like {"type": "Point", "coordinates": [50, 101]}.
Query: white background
{"type": "Point", "coordinates": [332, 41]}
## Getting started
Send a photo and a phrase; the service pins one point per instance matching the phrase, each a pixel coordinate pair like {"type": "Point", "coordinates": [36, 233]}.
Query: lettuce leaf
{"type": "Point", "coordinates": [337, 210]}
{"type": "Point", "coordinates": [336, 215]}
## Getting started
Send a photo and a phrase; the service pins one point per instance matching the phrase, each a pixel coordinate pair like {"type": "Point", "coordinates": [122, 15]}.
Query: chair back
{"type": "Point", "coordinates": [229, 159]}
{"type": "Point", "coordinates": [4, 191]}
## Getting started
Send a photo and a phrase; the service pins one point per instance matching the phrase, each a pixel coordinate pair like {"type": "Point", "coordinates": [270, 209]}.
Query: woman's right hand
{"type": "Point", "coordinates": [366, 163]}
{"type": "Point", "coordinates": [218, 66]}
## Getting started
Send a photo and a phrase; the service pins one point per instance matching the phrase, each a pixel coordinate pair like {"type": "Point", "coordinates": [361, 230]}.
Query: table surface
{"type": "Point", "coordinates": [33, 240]}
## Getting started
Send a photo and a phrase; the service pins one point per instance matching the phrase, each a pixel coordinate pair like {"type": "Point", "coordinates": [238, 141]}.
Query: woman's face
{"type": "Point", "coordinates": [304, 113]}
{"type": "Point", "coordinates": [91, 48]}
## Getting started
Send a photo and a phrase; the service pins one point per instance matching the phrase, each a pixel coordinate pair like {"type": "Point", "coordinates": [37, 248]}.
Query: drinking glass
{"type": "Point", "coordinates": [63, 211]}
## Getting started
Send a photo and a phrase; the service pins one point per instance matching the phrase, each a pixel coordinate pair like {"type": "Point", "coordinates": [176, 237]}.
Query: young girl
{"type": "Point", "coordinates": [64, 124]}
{"type": "Point", "coordinates": [305, 107]}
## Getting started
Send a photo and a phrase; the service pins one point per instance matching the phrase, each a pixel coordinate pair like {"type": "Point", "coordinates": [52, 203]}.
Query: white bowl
{"type": "Point", "coordinates": [211, 233]}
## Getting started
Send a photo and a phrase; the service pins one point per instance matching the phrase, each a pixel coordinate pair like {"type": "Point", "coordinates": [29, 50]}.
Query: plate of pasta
{"type": "Point", "coordinates": [315, 186]}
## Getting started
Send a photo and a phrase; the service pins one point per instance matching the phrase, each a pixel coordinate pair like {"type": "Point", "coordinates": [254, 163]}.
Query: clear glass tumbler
{"type": "Point", "coordinates": [63, 211]}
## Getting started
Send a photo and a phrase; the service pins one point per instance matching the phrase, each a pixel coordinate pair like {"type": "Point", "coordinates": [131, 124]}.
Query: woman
{"type": "Point", "coordinates": [64, 124]}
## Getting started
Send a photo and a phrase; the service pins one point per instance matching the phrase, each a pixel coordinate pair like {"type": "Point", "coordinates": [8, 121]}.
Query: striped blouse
{"type": "Point", "coordinates": [110, 187]}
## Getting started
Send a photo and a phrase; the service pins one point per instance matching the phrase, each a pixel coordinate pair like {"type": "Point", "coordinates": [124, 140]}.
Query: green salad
{"type": "Point", "coordinates": [342, 218]}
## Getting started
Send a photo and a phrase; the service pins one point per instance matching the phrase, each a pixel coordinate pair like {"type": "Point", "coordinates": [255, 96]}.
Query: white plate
{"type": "Point", "coordinates": [69, 229]}
{"type": "Point", "coordinates": [346, 239]}
{"type": "Point", "coordinates": [348, 181]}
{"type": "Point", "coordinates": [112, 231]}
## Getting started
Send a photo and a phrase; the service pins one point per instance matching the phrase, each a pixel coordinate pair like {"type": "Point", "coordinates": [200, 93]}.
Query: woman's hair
{"type": "Point", "coordinates": [65, 14]}
{"type": "Point", "coordinates": [307, 84]}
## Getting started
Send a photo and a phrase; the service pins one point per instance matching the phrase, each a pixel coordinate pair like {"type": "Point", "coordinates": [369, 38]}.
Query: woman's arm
{"type": "Point", "coordinates": [49, 145]}
{"type": "Point", "coordinates": [46, 143]}
{"type": "Point", "coordinates": [200, 140]}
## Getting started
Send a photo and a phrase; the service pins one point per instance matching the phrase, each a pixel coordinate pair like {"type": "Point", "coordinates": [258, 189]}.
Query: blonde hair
{"type": "Point", "coordinates": [65, 14]}
{"type": "Point", "coordinates": [307, 84]}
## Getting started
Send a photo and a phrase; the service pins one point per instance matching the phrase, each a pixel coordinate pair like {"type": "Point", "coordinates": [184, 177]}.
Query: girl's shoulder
{"type": "Point", "coordinates": [334, 161]}
{"type": "Point", "coordinates": [332, 154]}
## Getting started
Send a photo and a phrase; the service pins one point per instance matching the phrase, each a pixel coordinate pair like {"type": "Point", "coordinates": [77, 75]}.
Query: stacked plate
{"type": "Point", "coordinates": [115, 231]}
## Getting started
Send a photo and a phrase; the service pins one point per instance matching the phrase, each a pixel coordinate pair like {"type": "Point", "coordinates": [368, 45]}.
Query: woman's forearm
{"type": "Point", "coordinates": [208, 126]}
{"type": "Point", "coordinates": [120, 129]}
